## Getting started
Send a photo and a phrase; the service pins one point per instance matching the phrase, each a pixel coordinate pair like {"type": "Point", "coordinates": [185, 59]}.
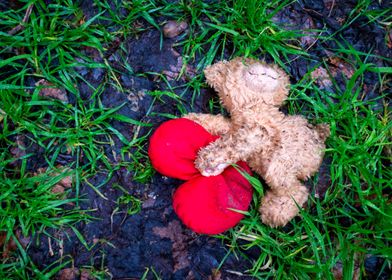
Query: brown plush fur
{"type": "Point", "coordinates": [283, 149]}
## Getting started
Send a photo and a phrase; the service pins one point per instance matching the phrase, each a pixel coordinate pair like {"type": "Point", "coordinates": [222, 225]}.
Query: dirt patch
{"type": "Point", "coordinates": [152, 238]}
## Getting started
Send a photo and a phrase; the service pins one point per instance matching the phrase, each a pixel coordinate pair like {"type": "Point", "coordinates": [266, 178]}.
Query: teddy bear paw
{"type": "Point", "coordinates": [210, 162]}
{"type": "Point", "coordinates": [214, 171]}
{"type": "Point", "coordinates": [207, 169]}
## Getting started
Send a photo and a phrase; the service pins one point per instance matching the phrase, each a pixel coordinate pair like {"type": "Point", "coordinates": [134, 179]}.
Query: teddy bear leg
{"type": "Point", "coordinates": [279, 207]}
{"type": "Point", "coordinates": [214, 124]}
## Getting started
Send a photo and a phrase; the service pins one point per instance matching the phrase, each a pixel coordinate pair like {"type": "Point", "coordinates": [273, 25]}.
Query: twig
{"type": "Point", "coordinates": [51, 253]}
{"type": "Point", "coordinates": [20, 26]}
{"type": "Point", "coordinates": [332, 6]}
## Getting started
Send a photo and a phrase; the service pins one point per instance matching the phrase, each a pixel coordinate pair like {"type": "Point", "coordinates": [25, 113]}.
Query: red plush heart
{"type": "Point", "coordinates": [203, 203]}
{"type": "Point", "coordinates": [207, 204]}
{"type": "Point", "coordinates": [174, 146]}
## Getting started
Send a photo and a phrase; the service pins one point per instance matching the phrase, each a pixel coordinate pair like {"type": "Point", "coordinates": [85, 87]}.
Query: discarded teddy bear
{"type": "Point", "coordinates": [282, 149]}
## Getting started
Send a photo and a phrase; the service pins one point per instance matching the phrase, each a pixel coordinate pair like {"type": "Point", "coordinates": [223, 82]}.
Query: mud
{"type": "Point", "coordinates": [153, 238]}
{"type": "Point", "coordinates": [128, 244]}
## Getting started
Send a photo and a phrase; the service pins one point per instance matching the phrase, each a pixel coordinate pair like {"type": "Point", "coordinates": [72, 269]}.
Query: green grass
{"type": "Point", "coordinates": [232, 28]}
{"type": "Point", "coordinates": [246, 26]}
{"type": "Point", "coordinates": [47, 48]}
{"type": "Point", "coordinates": [352, 220]}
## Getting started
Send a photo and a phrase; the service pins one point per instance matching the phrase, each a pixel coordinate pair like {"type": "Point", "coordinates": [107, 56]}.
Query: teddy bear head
{"type": "Point", "coordinates": [243, 82]}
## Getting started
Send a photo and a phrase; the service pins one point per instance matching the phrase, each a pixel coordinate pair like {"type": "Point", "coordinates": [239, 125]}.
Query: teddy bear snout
{"type": "Point", "coordinates": [259, 78]}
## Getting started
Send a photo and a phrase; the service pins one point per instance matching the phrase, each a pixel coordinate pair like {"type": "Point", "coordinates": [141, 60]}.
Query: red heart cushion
{"type": "Point", "coordinates": [203, 203]}
{"type": "Point", "coordinates": [174, 146]}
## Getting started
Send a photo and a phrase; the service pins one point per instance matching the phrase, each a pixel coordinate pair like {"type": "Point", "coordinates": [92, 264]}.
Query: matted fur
{"type": "Point", "coordinates": [283, 149]}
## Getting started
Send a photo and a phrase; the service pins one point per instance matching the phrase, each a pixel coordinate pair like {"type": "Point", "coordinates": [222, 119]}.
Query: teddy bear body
{"type": "Point", "coordinates": [282, 149]}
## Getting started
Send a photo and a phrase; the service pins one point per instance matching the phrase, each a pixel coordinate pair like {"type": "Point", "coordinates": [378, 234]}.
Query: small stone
{"type": "Point", "coordinates": [172, 28]}
{"type": "Point", "coordinates": [98, 74]}
{"type": "Point", "coordinates": [148, 203]}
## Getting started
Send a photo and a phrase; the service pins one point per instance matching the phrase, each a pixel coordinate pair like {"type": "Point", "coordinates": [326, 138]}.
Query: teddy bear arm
{"type": "Point", "coordinates": [229, 149]}
{"type": "Point", "coordinates": [214, 124]}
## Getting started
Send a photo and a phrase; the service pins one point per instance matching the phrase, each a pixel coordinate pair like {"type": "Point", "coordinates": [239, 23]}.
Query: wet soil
{"type": "Point", "coordinates": [128, 244]}
{"type": "Point", "coordinates": [154, 238]}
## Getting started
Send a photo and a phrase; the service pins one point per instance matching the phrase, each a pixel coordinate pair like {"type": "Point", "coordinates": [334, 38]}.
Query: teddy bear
{"type": "Point", "coordinates": [283, 149]}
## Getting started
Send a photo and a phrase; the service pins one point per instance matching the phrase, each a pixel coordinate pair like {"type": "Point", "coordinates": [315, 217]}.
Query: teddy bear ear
{"type": "Point", "coordinates": [215, 74]}
{"type": "Point", "coordinates": [284, 86]}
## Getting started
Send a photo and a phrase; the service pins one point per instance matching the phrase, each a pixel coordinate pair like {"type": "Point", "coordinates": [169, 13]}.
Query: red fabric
{"type": "Point", "coordinates": [174, 146]}
{"type": "Point", "coordinates": [202, 203]}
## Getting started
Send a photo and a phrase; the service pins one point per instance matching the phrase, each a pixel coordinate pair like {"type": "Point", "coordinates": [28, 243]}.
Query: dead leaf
{"type": "Point", "coordinates": [336, 66]}
{"type": "Point", "coordinates": [311, 38]}
{"type": "Point", "coordinates": [58, 189]}
{"type": "Point", "coordinates": [190, 276]}
{"type": "Point", "coordinates": [86, 275]}
{"type": "Point", "coordinates": [216, 275]}
{"type": "Point", "coordinates": [68, 274]}
{"type": "Point", "coordinates": [49, 90]}
{"type": "Point", "coordinates": [322, 78]}
{"type": "Point", "coordinates": [341, 66]}
{"type": "Point", "coordinates": [180, 241]}
{"type": "Point", "coordinates": [135, 98]}
{"type": "Point", "coordinates": [174, 71]}
{"type": "Point", "coordinates": [20, 149]}
{"type": "Point", "coordinates": [63, 184]}
{"type": "Point", "coordinates": [66, 182]}
{"type": "Point", "coordinates": [23, 240]}
{"type": "Point", "coordinates": [389, 39]}
{"type": "Point", "coordinates": [337, 271]}
{"type": "Point", "coordinates": [2, 115]}
{"type": "Point", "coordinates": [6, 246]}
{"type": "Point", "coordinates": [10, 246]}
